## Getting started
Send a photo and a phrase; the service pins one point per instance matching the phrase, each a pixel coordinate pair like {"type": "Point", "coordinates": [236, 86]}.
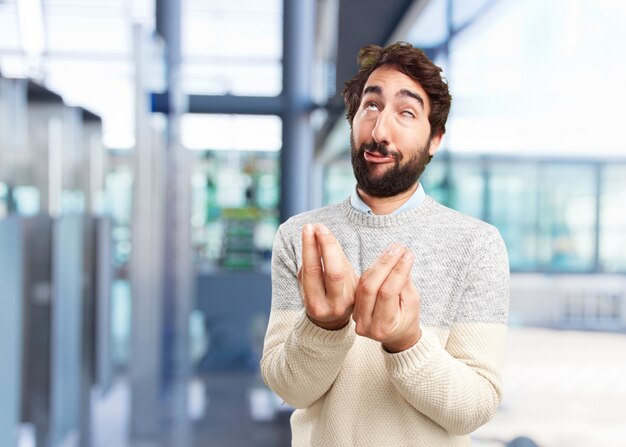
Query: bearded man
{"type": "Point", "coordinates": [389, 310]}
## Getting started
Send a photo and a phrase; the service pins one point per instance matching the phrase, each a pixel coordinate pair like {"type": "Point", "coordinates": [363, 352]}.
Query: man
{"type": "Point", "coordinates": [389, 310]}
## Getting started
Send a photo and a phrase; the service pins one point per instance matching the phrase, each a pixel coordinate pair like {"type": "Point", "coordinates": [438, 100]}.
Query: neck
{"type": "Point", "coordinates": [386, 205]}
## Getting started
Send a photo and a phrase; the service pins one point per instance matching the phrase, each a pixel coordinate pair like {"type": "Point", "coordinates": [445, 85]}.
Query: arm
{"type": "Point", "coordinates": [300, 359]}
{"type": "Point", "coordinates": [459, 387]}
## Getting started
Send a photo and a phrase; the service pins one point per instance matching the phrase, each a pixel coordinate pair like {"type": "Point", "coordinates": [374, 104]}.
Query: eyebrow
{"type": "Point", "coordinates": [403, 93]}
{"type": "Point", "coordinates": [409, 94]}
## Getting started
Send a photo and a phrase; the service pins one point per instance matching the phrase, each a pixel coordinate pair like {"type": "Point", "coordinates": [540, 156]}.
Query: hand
{"type": "Point", "coordinates": [327, 279]}
{"type": "Point", "coordinates": [387, 304]}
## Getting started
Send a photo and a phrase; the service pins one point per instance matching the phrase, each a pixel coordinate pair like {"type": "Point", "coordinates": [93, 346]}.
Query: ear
{"type": "Point", "coordinates": [435, 142]}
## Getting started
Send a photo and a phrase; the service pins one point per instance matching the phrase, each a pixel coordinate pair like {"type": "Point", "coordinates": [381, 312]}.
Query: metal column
{"type": "Point", "coordinates": [11, 278]}
{"type": "Point", "coordinates": [297, 152]}
{"type": "Point", "coordinates": [145, 361]}
{"type": "Point", "coordinates": [177, 267]}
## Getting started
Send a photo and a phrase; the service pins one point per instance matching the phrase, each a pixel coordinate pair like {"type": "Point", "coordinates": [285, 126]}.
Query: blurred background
{"type": "Point", "coordinates": [149, 149]}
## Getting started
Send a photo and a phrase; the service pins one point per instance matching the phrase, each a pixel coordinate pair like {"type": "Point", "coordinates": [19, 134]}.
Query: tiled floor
{"type": "Point", "coordinates": [227, 421]}
{"type": "Point", "coordinates": [561, 388]}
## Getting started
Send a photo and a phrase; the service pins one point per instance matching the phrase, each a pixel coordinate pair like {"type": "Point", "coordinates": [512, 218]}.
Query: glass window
{"type": "Point", "coordinates": [104, 88]}
{"type": "Point", "coordinates": [435, 178]}
{"type": "Point", "coordinates": [466, 184]}
{"type": "Point", "coordinates": [9, 31]}
{"type": "Point", "coordinates": [4, 200]}
{"type": "Point", "coordinates": [613, 219]}
{"type": "Point", "coordinates": [108, 33]}
{"type": "Point", "coordinates": [234, 214]}
{"type": "Point", "coordinates": [247, 77]}
{"type": "Point", "coordinates": [567, 217]}
{"type": "Point", "coordinates": [513, 73]}
{"type": "Point", "coordinates": [89, 59]}
{"type": "Point", "coordinates": [27, 200]}
{"type": "Point", "coordinates": [431, 28]}
{"type": "Point", "coordinates": [231, 132]}
{"type": "Point", "coordinates": [232, 47]}
{"type": "Point", "coordinates": [513, 210]}
{"type": "Point", "coordinates": [339, 181]}
{"type": "Point", "coordinates": [119, 197]}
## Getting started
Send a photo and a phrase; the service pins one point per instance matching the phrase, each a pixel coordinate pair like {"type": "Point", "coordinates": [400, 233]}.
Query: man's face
{"type": "Point", "coordinates": [390, 135]}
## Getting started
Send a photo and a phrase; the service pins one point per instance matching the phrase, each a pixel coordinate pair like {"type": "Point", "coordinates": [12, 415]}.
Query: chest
{"type": "Point", "coordinates": [438, 271]}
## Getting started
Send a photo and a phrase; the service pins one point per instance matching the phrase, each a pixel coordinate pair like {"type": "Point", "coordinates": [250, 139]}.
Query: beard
{"type": "Point", "coordinates": [395, 180]}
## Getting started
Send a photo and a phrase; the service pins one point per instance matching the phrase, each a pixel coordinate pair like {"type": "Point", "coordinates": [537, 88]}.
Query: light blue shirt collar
{"type": "Point", "coordinates": [414, 201]}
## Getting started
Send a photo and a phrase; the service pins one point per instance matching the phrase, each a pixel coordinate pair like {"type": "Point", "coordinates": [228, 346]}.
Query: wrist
{"type": "Point", "coordinates": [402, 345]}
{"type": "Point", "coordinates": [330, 325]}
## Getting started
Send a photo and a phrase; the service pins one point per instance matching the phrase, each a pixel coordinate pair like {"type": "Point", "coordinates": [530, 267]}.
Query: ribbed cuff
{"type": "Point", "coordinates": [415, 358]}
{"type": "Point", "coordinates": [315, 337]}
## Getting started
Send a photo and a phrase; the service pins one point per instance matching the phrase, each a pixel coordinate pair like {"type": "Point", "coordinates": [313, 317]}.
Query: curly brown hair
{"type": "Point", "coordinates": [412, 62]}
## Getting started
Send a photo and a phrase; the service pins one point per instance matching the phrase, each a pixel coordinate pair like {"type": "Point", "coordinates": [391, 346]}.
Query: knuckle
{"type": "Point", "coordinates": [335, 275]}
{"type": "Point", "coordinates": [366, 287]}
{"type": "Point", "coordinates": [312, 270]}
{"type": "Point", "coordinates": [360, 330]}
{"type": "Point", "coordinates": [387, 292]}
{"type": "Point", "coordinates": [379, 333]}
{"type": "Point", "coordinates": [383, 260]}
{"type": "Point", "coordinates": [375, 333]}
{"type": "Point", "coordinates": [314, 309]}
{"type": "Point", "coordinates": [309, 305]}
{"type": "Point", "coordinates": [336, 312]}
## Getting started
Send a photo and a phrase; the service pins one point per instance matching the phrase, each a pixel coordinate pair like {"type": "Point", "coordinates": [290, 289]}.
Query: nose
{"type": "Point", "coordinates": [382, 129]}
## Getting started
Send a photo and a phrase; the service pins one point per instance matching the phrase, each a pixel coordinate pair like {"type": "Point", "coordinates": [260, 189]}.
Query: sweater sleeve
{"type": "Point", "coordinates": [459, 386]}
{"type": "Point", "coordinates": [300, 360]}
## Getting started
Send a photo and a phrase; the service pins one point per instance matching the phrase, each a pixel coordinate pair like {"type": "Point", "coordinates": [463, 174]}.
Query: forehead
{"type": "Point", "coordinates": [391, 81]}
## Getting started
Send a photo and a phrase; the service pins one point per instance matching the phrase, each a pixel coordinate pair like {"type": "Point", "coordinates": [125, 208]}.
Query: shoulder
{"type": "Point", "coordinates": [455, 218]}
{"type": "Point", "coordinates": [462, 229]}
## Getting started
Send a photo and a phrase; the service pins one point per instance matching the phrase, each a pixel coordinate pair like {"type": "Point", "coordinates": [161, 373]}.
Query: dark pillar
{"type": "Point", "coordinates": [297, 151]}
{"type": "Point", "coordinates": [176, 267]}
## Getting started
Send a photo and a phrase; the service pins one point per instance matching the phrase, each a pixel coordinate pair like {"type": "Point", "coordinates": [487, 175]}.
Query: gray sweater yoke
{"type": "Point", "coordinates": [460, 268]}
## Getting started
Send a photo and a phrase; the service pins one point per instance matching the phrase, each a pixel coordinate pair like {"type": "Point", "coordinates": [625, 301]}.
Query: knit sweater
{"type": "Point", "coordinates": [346, 389]}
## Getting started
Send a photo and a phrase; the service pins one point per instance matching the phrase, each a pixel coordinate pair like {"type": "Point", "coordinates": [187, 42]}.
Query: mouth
{"type": "Point", "coordinates": [377, 157]}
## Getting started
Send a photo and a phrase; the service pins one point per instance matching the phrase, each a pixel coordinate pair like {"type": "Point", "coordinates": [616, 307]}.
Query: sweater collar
{"type": "Point", "coordinates": [387, 220]}
{"type": "Point", "coordinates": [413, 202]}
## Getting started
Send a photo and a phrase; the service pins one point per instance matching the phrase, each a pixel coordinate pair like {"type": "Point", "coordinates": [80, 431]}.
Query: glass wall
{"type": "Point", "coordinates": [555, 216]}
{"type": "Point", "coordinates": [235, 188]}
{"type": "Point", "coordinates": [234, 208]}
{"type": "Point", "coordinates": [513, 199]}
{"type": "Point", "coordinates": [119, 202]}
{"type": "Point", "coordinates": [612, 234]}
{"type": "Point", "coordinates": [567, 217]}
{"type": "Point", "coordinates": [232, 47]}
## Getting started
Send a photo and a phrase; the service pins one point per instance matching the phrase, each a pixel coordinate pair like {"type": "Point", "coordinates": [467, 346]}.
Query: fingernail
{"type": "Point", "coordinates": [394, 249]}
{"type": "Point", "coordinates": [309, 229]}
{"type": "Point", "coordinates": [323, 228]}
{"type": "Point", "coordinates": [408, 256]}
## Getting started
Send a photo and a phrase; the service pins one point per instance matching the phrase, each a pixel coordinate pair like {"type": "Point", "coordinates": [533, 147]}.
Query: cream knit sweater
{"type": "Point", "coordinates": [346, 389]}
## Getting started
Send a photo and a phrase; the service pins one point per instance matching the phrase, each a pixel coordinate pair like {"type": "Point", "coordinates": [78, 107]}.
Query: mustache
{"type": "Point", "coordinates": [381, 149]}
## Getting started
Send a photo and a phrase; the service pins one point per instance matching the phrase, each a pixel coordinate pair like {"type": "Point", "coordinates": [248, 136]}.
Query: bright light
{"type": "Point", "coordinates": [231, 132]}
{"type": "Point", "coordinates": [30, 16]}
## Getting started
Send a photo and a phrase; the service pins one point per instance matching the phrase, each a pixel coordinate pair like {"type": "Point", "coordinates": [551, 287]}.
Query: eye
{"type": "Point", "coordinates": [371, 106]}
{"type": "Point", "coordinates": [407, 113]}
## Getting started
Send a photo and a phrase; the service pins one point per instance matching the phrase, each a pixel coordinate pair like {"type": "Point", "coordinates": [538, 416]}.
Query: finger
{"type": "Point", "coordinates": [388, 304]}
{"type": "Point", "coordinates": [370, 283]}
{"type": "Point", "coordinates": [311, 274]}
{"type": "Point", "coordinates": [333, 260]}
{"type": "Point", "coordinates": [410, 298]}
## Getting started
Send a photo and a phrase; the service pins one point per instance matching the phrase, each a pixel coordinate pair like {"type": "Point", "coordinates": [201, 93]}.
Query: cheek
{"type": "Point", "coordinates": [361, 131]}
{"type": "Point", "coordinates": [417, 136]}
